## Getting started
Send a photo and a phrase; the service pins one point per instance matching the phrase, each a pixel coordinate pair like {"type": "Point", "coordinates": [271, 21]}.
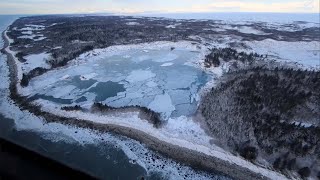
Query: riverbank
{"type": "Point", "coordinates": [190, 154]}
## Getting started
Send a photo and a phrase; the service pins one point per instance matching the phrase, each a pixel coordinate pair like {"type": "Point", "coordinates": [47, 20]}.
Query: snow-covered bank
{"type": "Point", "coordinates": [184, 133]}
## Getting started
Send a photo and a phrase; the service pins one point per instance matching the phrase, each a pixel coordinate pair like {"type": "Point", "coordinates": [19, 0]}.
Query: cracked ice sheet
{"type": "Point", "coordinates": [44, 82]}
{"type": "Point", "coordinates": [57, 93]}
{"type": "Point", "coordinates": [144, 101]}
{"type": "Point", "coordinates": [151, 84]}
{"type": "Point", "coordinates": [179, 96]}
{"type": "Point", "coordinates": [140, 75]}
{"type": "Point", "coordinates": [143, 80]}
{"type": "Point", "coordinates": [138, 93]}
{"type": "Point", "coordinates": [185, 80]}
{"type": "Point", "coordinates": [88, 76]}
{"type": "Point", "coordinates": [162, 103]}
{"type": "Point", "coordinates": [166, 58]}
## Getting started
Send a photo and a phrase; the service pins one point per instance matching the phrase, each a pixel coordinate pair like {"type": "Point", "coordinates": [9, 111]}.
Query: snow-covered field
{"type": "Point", "coordinates": [34, 61]}
{"type": "Point", "coordinates": [243, 29]}
{"type": "Point", "coordinates": [31, 31]}
{"type": "Point", "coordinates": [306, 54]}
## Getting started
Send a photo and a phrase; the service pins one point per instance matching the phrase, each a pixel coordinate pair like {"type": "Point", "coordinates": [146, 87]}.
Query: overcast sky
{"type": "Point", "coordinates": [163, 6]}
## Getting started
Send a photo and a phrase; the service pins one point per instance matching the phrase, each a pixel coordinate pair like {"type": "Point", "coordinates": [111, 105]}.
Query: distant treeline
{"type": "Point", "coordinates": [148, 114]}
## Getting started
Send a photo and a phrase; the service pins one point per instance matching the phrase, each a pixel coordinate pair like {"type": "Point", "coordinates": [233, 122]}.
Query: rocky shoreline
{"type": "Point", "coordinates": [190, 157]}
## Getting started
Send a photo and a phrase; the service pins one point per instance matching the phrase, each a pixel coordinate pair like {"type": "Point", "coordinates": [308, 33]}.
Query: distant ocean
{"type": "Point", "coordinates": [239, 16]}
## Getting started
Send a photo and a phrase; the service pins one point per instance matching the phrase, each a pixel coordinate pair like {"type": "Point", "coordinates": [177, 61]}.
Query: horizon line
{"type": "Point", "coordinates": [137, 13]}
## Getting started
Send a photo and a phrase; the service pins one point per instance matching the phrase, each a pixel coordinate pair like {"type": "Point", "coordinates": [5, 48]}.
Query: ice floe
{"type": "Point", "coordinates": [166, 64]}
{"type": "Point", "coordinates": [162, 103]}
{"type": "Point", "coordinates": [140, 75]}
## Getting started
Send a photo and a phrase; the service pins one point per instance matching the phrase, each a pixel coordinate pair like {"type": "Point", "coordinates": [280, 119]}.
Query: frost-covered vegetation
{"type": "Point", "coordinates": [72, 108]}
{"type": "Point", "coordinates": [217, 55]}
{"type": "Point", "coordinates": [33, 73]}
{"type": "Point", "coordinates": [253, 112]}
{"type": "Point", "coordinates": [145, 113]}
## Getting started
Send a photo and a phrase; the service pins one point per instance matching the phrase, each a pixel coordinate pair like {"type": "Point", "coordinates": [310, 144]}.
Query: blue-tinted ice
{"type": "Point", "coordinates": [159, 79]}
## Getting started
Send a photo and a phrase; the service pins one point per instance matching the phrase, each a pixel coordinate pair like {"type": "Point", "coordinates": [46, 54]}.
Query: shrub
{"type": "Point", "coordinates": [249, 153]}
{"type": "Point", "coordinates": [25, 80]}
{"type": "Point", "coordinates": [304, 172]}
{"type": "Point", "coordinates": [72, 108]}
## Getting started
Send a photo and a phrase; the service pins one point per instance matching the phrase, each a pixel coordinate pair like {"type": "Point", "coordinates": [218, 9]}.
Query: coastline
{"type": "Point", "coordinates": [191, 157]}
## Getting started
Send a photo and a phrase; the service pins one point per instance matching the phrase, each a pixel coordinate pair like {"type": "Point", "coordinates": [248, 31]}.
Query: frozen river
{"type": "Point", "coordinates": [164, 80]}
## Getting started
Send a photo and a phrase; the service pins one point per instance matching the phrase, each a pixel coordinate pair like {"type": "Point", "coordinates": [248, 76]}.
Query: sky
{"type": "Point", "coordinates": [155, 6]}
